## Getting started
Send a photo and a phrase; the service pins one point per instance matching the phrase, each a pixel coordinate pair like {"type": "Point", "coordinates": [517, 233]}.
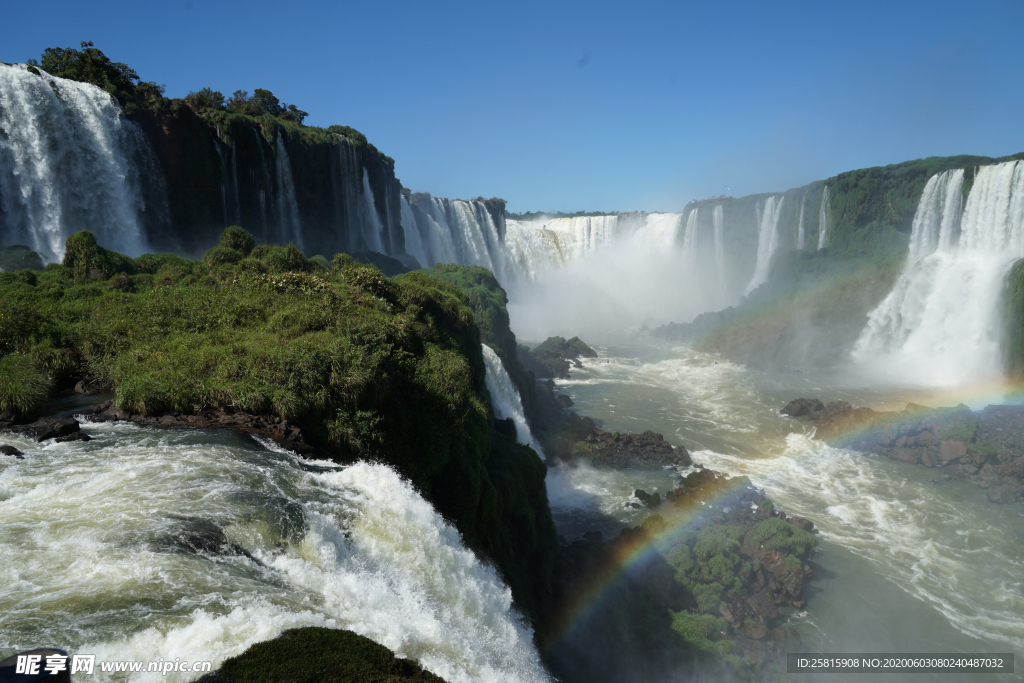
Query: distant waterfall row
{"type": "Point", "coordinates": [69, 161]}
{"type": "Point", "coordinates": [941, 323]}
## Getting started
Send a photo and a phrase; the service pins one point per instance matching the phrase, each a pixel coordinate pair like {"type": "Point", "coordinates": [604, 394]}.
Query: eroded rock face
{"type": "Point", "coordinates": [987, 445]}
{"type": "Point", "coordinates": [274, 428]}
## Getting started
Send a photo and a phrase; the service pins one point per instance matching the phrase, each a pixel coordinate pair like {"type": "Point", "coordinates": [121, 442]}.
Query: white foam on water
{"type": "Point", "coordinates": [94, 538]}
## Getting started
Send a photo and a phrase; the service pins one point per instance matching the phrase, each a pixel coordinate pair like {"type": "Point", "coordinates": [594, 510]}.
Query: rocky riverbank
{"type": "Point", "coordinates": [986, 446]}
{"type": "Point", "coordinates": [716, 568]}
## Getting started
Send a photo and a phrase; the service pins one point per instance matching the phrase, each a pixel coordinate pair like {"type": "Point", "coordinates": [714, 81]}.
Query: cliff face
{"type": "Point", "coordinates": [816, 299]}
{"type": "Point", "coordinates": [321, 189]}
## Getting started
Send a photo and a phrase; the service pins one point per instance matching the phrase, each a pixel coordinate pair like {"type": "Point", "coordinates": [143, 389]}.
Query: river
{"type": "Point", "coordinates": [908, 561]}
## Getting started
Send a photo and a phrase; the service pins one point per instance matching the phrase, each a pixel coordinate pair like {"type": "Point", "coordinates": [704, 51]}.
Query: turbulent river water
{"type": "Point", "coordinates": [142, 544]}
{"type": "Point", "coordinates": [908, 562]}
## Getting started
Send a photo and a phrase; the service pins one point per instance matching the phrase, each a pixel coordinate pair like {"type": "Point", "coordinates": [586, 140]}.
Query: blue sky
{"type": "Point", "coordinates": [595, 106]}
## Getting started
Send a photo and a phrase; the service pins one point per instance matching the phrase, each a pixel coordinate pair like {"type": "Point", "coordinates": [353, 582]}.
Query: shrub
{"type": "Point", "coordinates": [22, 387]}
{"type": "Point", "coordinates": [774, 534]}
{"type": "Point", "coordinates": [238, 239]}
{"type": "Point", "coordinates": [87, 260]}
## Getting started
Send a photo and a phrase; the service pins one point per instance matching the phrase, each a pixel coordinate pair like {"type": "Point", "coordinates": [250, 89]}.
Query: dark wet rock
{"type": "Point", "coordinates": [564, 401]}
{"type": "Point", "coordinates": [802, 406]}
{"type": "Point", "coordinates": [48, 428]}
{"type": "Point", "coordinates": [86, 389]}
{"type": "Point", "coordinates": [74, 436]}
{"type": "Point", "coordinates": [7, 418]}
{"type": "Point", "coordinates": [976, 444]}
{"type": "Point", "coordinates": [11, 450]}
{"type": "Point", "coordinates": [506, 427]}
{"type": "Point", "coordinates": [555, 356]}
{"type": "Point", "coordinates": [615, 449]}
{"type": "Point", "coordinates": [270, 427]}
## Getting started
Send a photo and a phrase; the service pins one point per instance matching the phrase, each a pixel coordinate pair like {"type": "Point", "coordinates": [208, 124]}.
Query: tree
{"type": "Point", "coordinates": [90, 65]}
{"type": "Point", "coordinates": [205, 100]}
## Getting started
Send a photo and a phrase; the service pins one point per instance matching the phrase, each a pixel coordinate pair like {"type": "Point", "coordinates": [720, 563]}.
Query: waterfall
{"type": "Point", "coordinates": [453, 231]}
{"type": "Point", "coordinates": [937, 219]}
{"type": "Point", "coordinates": [800, 233]}
{"type": "Point", "coordinates": [823, 215]}
{"type": "Point", "coordinates": [941, 323]}
{"type": "Point", "coordinates": [505, 398]}
{"type": "Point", "coordinates": [371, 227]}
{"type": "Point", "coordinates": [287, 206]}
{"type": "Point", "coordinates": [718, 221]}
{"type": "Point", "coordinates": [767, 241]}
{"type": "Point", "coordinates": [272, 543]}
{"type": "Point", "coordinates": [690, 237]}
{"type": "Point", "coordinates": [69, 161]}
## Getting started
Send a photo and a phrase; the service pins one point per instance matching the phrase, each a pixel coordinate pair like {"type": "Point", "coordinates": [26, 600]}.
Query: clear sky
{"type": "Point", "coordinates": [589, 105]}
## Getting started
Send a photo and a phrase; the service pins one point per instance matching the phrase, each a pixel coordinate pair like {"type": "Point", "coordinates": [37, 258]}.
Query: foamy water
{"type": "Point", "coordinates": [95, 540]}
{"type": "Point", "coordinates": [908, 561]}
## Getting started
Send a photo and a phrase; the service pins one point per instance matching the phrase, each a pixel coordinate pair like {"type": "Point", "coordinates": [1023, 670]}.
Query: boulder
{"type": "Point", "coordinates": [11, 450]}
{"type": "Point", "coordinates": [86, 389]}
{"type": "Point", "coordinates": [564, 401]}
{"type": "Point", "coordinates": [74, 436]}
{"type": "Point", "coordinates": [802, 407]}
{"type": "Point", "coordinates": [49, 428]}
{"type": "Point", "coordinates": [951, 450]}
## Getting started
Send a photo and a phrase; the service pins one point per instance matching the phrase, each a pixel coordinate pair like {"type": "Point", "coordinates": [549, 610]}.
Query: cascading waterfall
{"type": "Point", "coordinates": [690, 236]}
{"type": "Point", "coordinates": [718, 223]}
{"type": "Point", "coordinates": [69, 161]}
{"type": "Point", "coordinates": [505, 398]}
{"type": "Point", "coordinates": [287, 206]}
{"type": "Point", "coordinates": [941, 323]}
{"type": "Point", "coordinates": [800, 233]}
{"type": "Point", "coordinates": [453, 231]}
{"type": "Point", "coordinates": [823, 215]}
{"type": "Point", "coordinates": [937, 219]}
{"type": "Point", "coordinates": [372, 227]}
{"type": "Point", "coordinates": [767, 241]}
{"type": "Point", "coordinates": [195, 545]}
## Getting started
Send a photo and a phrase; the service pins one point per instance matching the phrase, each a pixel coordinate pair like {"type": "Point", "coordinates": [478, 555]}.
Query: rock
{"type": "Point", "coordinates": [907, 455]}
{"type": "Point", "coordinates": [74, 436]}
{"type": "Point", "coordinates": [564, 401]}
{"type": "Point", "coordinates": [802, 523]}
{"type": "Point", "coordinates": [506, 427]}
{"type": "Point", "coordinates": [654, 501]}
{"type": "Point", "coordinates": [11, 450]}
{"type": "Point", "coordinates": [951, 450]}
{"type": "Point", "coordinates": [7, 418]}
{"type": "Point", "coordinates": [86, 389]}
{"type": "Point", "coordinates": [802, 407]}
{"type": "Point", "coordinates": [49, 428]}
{"type": "Point", "coordinates": [641, 495]}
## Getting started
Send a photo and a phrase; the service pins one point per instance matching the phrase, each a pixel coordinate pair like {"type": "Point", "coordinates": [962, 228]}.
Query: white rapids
{"type": "Point", "coordinates": [95, 540]}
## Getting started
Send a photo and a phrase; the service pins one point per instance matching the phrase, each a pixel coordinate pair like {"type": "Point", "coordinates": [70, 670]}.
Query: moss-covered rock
{"type": "Point", "coordinates": [319, 655]}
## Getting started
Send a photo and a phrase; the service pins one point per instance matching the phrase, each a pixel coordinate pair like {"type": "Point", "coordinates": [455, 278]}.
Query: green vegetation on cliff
{"type": "Point", "coordinates": [367, 367]}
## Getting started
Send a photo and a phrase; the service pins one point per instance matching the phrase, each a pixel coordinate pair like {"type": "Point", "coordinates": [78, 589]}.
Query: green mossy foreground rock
{"type": "Point", "coordinates": [319, 655]}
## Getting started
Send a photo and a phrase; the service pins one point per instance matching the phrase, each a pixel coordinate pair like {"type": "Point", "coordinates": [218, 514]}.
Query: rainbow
{"type": "Point", "coordinates": [632, 551]}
